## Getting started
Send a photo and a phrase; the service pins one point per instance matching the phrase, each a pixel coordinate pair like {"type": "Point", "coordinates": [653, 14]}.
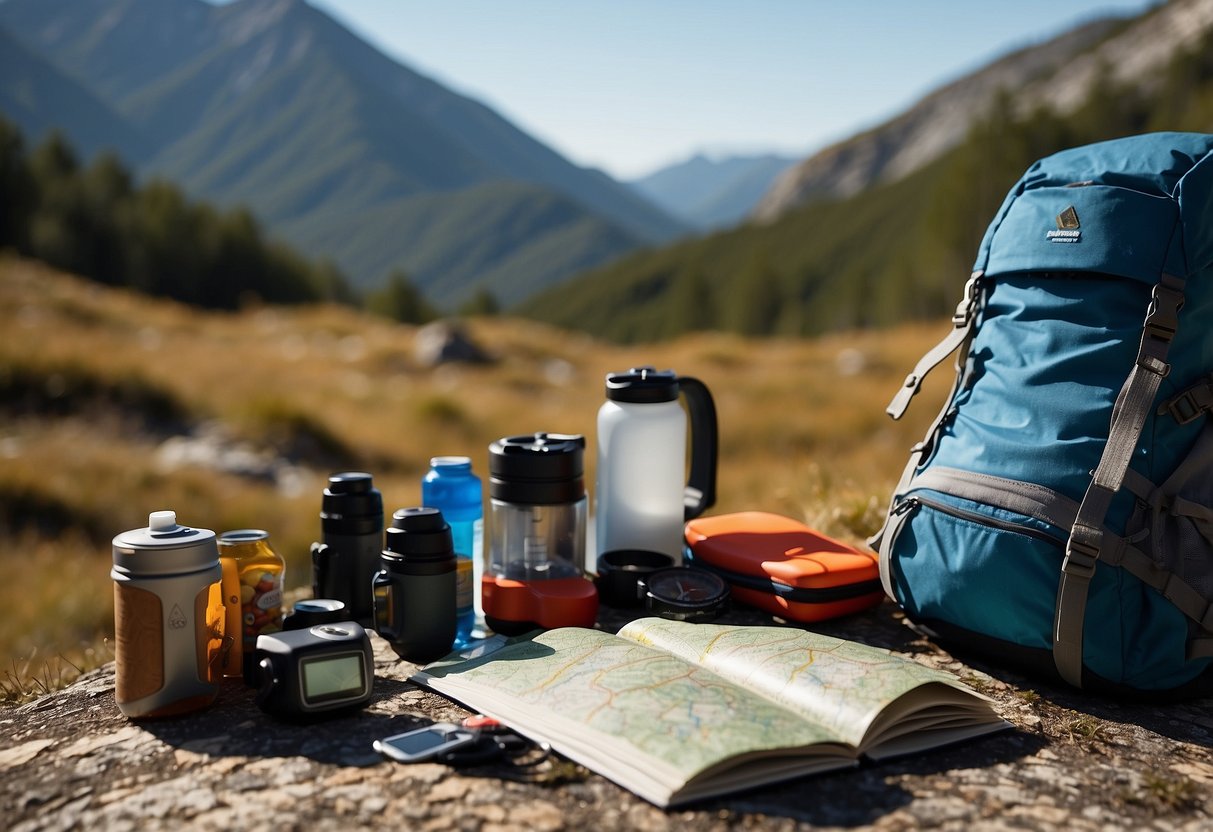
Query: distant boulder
{"type": "Point", "coordinates": [445, 342]}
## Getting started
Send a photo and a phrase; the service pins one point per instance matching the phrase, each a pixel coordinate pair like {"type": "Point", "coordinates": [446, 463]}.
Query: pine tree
{"type": "Point", "coordinates": [401, 300]}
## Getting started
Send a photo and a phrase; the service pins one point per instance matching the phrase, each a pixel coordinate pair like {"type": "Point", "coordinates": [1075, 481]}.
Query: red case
{"type": "Point", "coordinates": [780, 565]}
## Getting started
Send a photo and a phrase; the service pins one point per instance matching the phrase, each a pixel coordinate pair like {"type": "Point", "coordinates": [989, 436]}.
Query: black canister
{"type": "Point", "coordinates": [414, 591]}
{"type": "Point", "coordinates": [351, 520]}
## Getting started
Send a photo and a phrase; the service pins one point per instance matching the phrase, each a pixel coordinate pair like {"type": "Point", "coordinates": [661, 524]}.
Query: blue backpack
{"type": "Point", "coordinates": [1059, 512]}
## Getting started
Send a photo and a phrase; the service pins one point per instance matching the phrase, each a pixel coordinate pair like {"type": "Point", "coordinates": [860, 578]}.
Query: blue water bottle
{"type": "Point", "coordinates": [451, 487]}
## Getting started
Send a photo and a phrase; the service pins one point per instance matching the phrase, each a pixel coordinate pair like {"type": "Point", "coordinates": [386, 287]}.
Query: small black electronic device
{"type": "Point", "coordinates": [428, 743]}
{"type": "Point", "coordinates": [683, 593]}
{"type": "Point", "coordinates": [313, 671]}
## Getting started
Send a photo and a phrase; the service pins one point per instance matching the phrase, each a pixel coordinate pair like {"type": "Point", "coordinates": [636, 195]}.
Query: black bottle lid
{"type": "Point", "coordinates": [419, 534]}
{"type": "Point", "coordinates": [642, 385]}
{"type": "Point", "coordinates": [351, 505]}
{"type": "Point", "coordinates": [537, 469]}
{"type": "Point", "coordinates": [310, 612]}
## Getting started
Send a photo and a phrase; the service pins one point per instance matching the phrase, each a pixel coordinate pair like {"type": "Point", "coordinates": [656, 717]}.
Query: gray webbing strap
{"type": "Point", "coordinates": [1121, 552]}
{"type": "Point", "coordinates": [962, 330]}
{"type": "Point", "coordinates": [964, 322]}
{"type": "Point", "coordinates": [1138, 485]}
{"type": "Point", "coordinates": [1133, 406]}
{"type": "Point", "coordinates": [1166, 498]}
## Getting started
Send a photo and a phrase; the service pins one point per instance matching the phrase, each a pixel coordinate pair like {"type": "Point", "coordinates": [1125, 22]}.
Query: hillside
{"type": "Point", "coordinates": [39, 97]}
{"type": "Point", "coordinates": [896, 251]}
{"type": "Point", "coordinates": [1057, 75]}
{"type": "Point", "coordinates": [115, 404]}
{"type": "Point", "coordinates": [334, 146]}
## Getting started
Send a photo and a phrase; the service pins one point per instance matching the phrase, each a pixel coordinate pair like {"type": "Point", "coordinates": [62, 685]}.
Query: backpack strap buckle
{"type": "Point", "coordinates": [963, 315]}
{"type": "Point", "coordinates": [962, 330]}
{"type": "Point", "coordinates": [1191, 404]}
{"type": "Point", "coordinates": [1182, 408]}
{"type": "Point", "coordinates": [1082, 554]}
{"type": "Point", "coordinates": [1162, 318]}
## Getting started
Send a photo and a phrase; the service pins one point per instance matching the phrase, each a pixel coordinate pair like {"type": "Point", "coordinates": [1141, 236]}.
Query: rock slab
{"type": "Point", "coordinates": [71, 760]}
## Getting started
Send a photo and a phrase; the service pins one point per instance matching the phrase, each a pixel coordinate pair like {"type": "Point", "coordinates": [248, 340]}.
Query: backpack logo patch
{"type": "Point", "coordinates": [1067, 227]}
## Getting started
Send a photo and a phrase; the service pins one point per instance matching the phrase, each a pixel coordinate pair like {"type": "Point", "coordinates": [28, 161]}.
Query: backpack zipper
{"type": "Point", "coordinates": [911, 503]}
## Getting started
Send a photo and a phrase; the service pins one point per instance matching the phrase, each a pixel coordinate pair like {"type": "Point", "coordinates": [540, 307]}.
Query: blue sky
{"type": "Point", "coordinates": [631, 85]}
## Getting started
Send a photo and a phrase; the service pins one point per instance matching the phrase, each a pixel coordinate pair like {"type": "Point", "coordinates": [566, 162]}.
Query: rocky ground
{"type": "Point", "coordinates": [71, 760]}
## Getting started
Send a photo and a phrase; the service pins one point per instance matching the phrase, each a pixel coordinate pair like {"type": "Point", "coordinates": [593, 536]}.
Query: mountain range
{"type": "Point", "coordinates": [351, 155]}
{"type": "Point", "coordinates": [711, 193]}
{"type": "Point", "coordinates": [338, 149]}
{"type": "Point", "coordinates": [1056, 75]}
{"type": "Point", "coordinates": [883, 227]}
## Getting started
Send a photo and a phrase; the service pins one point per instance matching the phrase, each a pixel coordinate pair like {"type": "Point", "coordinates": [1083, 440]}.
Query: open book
{"type": "Point", "coordinates": [677, 712]}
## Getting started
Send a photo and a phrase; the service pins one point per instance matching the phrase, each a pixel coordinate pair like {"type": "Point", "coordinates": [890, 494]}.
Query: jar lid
{"type": "Point", "coordinates": [239, 537]}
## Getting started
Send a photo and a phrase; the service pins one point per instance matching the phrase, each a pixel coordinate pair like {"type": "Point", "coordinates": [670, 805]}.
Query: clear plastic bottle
{"type": "Point", "coordinates": [452, 488]}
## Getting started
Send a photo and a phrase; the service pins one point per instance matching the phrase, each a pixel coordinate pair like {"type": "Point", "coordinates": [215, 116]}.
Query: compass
{"type": "Point", "coordinates": [684, 593]}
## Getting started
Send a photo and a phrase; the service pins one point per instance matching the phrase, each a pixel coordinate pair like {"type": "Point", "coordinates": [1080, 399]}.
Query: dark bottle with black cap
{"type": "Point", "coordinates": [351, 519]}
{"type": "Point", "coordinates": [414, 591]}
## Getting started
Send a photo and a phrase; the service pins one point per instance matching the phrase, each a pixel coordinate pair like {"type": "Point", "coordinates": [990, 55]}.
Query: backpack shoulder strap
{"type": "Point", "coordinates": [964, 322]}
{"type": "Point", "coordinates": [1129, 414]}
{"type": "Point", "coordinates": [962, 331]}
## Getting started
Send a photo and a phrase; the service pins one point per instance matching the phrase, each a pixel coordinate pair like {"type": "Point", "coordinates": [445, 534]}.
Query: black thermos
{"type": "Point", "coordinates": [415, 588]}
{"type": "Point", "coordinates": [351, 519]}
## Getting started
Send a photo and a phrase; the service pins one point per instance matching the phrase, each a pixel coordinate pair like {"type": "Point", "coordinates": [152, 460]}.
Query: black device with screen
{"type": "Point", "coordinates": [315, 670]}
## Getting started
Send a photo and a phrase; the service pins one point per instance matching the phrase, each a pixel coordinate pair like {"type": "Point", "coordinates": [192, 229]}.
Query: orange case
{"type": "Point", "coordinates": [780, 565]}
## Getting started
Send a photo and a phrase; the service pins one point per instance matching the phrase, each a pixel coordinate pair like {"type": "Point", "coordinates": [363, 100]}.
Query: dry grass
{"type": "Point", "coordinates": [803, 430]}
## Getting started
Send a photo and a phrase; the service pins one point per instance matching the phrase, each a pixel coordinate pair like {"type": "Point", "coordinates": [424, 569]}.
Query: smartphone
{"type": "Point", "coordinates": [423, 744]}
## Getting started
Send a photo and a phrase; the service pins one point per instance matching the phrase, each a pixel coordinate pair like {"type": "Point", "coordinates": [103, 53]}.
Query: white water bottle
{"type": "Point", "coordinates": [643, 495]}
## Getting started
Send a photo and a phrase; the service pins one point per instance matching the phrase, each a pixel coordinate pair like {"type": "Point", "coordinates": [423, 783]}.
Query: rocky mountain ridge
{"type": "Point", "coordinates": [1057, 74]}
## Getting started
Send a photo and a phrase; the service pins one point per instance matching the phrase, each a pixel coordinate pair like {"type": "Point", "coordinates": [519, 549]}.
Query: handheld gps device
{"type": "Point", "coordinates": [315, 670]}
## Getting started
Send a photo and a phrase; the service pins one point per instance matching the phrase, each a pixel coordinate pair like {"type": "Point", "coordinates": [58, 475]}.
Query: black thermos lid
{"type": "Point", "coordinates": [351, 505]}
{"type": "Point", "coordinates": [642, 385]}
{"type": "Point", "coordinates": [419, 534]}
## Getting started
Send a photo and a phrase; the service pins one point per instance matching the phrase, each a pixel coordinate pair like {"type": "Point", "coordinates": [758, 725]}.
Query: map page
{"type": "Point", "coordinates": [639, 716]}
{"type": "Point", "coordinates": [865, 696]}
{"type": "Point", "coordinates": [675, 711]}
